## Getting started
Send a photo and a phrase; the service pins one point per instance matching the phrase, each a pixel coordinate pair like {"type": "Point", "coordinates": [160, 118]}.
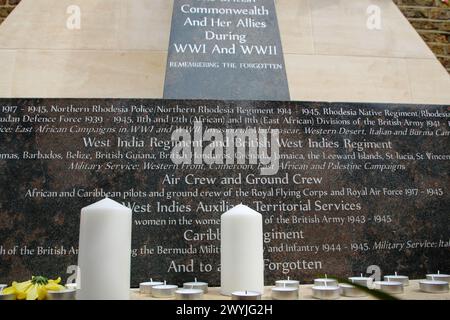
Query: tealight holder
{"type": "Point", "coordinates": [65, 294]}
{"type": "Point", "coordinates": [392, 287]}
{"type": "Point", "coordinates": [2, 286]}
{"type": "Point", "coordinates": [439, 276]}
{"type": "Point", "coordinates": [362, 281]}
{"type": "Point", "coordinates": [7, 296]}
{"type": "Point", "coordinates": [325, 282]}
{"type": "Point", "coordinates": [246, 295]}
{"type": "Point", "coordinates": [146, 287]}
{"type": "Point", "coordinates": [403, 279]}
{"type": "Point", "coordinates": [287, 283]}
{"type": "Point", "coordinates": [164, 291]}
{"type": "Point", "coordinates": [347, 290]}
{"type": "Point", "coordinates": [189, 294]}
{"type": "Point", "coordinates": [326, 292]}
{"type": "Point", "coordinates": [197, 285]}
{"type": "Point", "coordinates": [284, 293]}
{"type": "Point", "coordinates": [433, 286]}
{"type": "Point", "coordinates": [73, 286]}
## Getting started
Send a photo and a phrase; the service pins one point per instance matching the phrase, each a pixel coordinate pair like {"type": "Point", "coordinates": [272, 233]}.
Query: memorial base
{"type": "Point", "coordinates": [411, 292]}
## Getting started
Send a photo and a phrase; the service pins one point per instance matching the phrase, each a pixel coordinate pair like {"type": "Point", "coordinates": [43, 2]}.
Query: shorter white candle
{"type": "Point", "coordinates": [325, 281]}
{"type": "Point", "coordinates": [393, 287]}
{"type": "Point", "coordinates": [362, 281]}
{"type": "Point", "coordinates": [287, 283]}
{"type": "Point", "coordinates": [146, 287]}
{"type": "Point", "coordinates": [246, 295]}
{"type": "Point", "coordinates": [439, 276]}
{"type": "Point", "coordinates": [433, 286]}
{"type": "Point", "coordinates": [189, 294]}
{"type": "Point", "coordinates": [403, 279]}
{"type": "Point", "coordinates": [285, 293]}
{"type": "Point", "coordinates": [164, 291]}
{"type": "Point", "coordinates": [197, 285]}
{"type": "Point", "coordinates": [326, 292]}
{"type": "Point", "coordinates": [347, 290]}
{"type": "Point", "coordinates": [2, 286]}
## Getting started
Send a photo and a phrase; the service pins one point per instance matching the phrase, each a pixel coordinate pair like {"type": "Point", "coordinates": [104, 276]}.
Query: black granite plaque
{"type": "Point", "coordinates": [225, 50]}
{"type": "Point", "coordinates": [356, 185]}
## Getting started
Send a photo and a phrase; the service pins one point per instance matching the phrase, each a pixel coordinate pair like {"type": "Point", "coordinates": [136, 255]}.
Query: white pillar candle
{"type": "Point", "coordinates": [242, 262]}
{"type": "Point", "coordinates": [246, 295]}
{"type": "Point", "coordinates": [325, 281]}
{"type": "Point", "coordinates": [104, 254]}
{"type": "Point", "coordinates": [403, 279]}
{"type": "Point", "coordinates": [439, 276]}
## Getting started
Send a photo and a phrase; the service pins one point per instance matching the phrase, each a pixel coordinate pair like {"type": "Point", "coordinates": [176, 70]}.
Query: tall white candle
{"type": "Point", "coordinates": [104, 254]}
{"type": "Point", "coordinates": [242, 262]}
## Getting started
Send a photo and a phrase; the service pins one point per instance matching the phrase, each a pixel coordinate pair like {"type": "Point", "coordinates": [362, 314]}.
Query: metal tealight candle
{"type": "Point", "coordinates": [284, 293]}
{"type": "Point", "coordinates": [403, 279]}
{"type": "Point", "coordinates": [433, 286]}
{"type": "Point", "coordinates": [197, 285]}
{"type": "Point", "coordinates": [246, 295]}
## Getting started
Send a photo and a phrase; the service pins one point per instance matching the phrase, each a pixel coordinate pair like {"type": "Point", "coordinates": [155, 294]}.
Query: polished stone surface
{"type": "Point", "coordinates": [253, 76]}
{"type": "Point", "coordinates": [36, 220]}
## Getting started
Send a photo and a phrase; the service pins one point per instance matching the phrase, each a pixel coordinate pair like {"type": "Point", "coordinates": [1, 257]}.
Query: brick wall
{"type": "Point", "coordinates": [6, 6]}
{"type": "Point", "coordinates": [431, 18]}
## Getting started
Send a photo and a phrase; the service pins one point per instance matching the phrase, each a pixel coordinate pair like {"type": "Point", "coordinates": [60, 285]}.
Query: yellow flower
{"type": "Point", "coordinates": [33, 289]}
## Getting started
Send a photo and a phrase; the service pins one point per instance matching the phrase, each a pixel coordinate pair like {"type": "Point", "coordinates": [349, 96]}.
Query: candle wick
{"type": "Point", "coordinates": [439, 272]}
{"type": "Point", "coordinates": [361, 275]}
{"type": "Point", "coordinates": [326, 277]}
{"type": "Point", "coordinates": [288, 277]}
{"type": "Point", "coordinates": [165, 282]}
{"type": "Point", "coordinates": [151, 279]}
{"type": "Point", "coordinates": [195, 279]}
{"type": "Point", "coordinates": [395, 273]}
